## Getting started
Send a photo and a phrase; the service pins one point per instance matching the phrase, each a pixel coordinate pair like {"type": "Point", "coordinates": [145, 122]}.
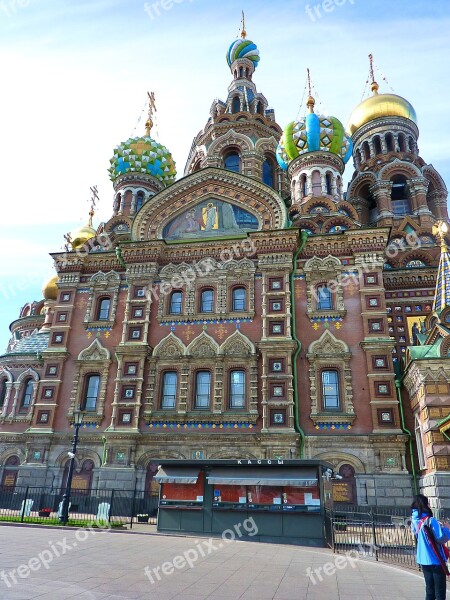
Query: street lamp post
{"type": "Point", "coordinates": [77, 420]}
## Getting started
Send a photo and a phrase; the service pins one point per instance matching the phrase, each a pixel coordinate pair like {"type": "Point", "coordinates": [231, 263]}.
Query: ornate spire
{"type": "Point", "coordinates": [310, 102]}
{"type": "Point", "coordinates": [94, 200]}
{"type": "Point", "coordinates": [442, 293]}
{"type": "Point", "coordinates": [151, 112]}
{"type": "Point", "coordinates": [373, 84]}
{"type": "Point", "coordinates": [243, 32]}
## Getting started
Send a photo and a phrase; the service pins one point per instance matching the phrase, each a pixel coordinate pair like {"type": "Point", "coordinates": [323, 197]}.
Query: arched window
{"type": "Point", "coordinates": [104, 306]}
{"type": "Point", "coordinates": [330, 390]}
{"type": "Point", "coordinates": [232, 162]}
{"type": "Point", "coordinates": [268, 172]}
{"type": "Point", "coordinates": [202, 389]}
{"type": "Point", "coordinates": [239, 299]}
{"type": "Point", "coordinates": [324, 298]}
{"type": "Point", "coordinates": [328, 183]}
{"type": "Point", "coordinates": [169, 389]}
{"type": "Point", "coordinates": [389, 142]}
{"type": "Point", "coordinates": [419, 442]}
{"type": "Point", "coordinates": [400, 196]}
{"type": "Point", "coordinates": [377, 145]}
{"type": "Point", "coordinates": [139, 200]}
{"type": "Point", "coordinates": [237, 389]}
{"type": "Point", "coordinates": [411, 144]}
{"type": "Point", "coordinates": [304, 187]}
{"type": "Point", "coordinates": [176, 303]}
{"type": "Point", "coordinates": [366, 150]}
{"type": "Point", "coordinates": [316, 184]}
{"type": "Point", "coordinates": [260, 108]}
{"type": "Point", "coordinates": [91, 392]}
{"type": "Point", "coordinates": [236, 105]}
{"type": "Point", "coordinates": [207, 301]}
{"type": "Point", "coordinates": [401, 142]}
{"type": "Point", "coordinates": [2, 392]}
{"type": "Point", "coordinates": [27, 393]}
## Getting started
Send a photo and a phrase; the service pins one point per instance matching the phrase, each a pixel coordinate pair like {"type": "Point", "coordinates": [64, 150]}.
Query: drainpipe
{"type": "Point", "coordinates": [398, 385]}
{"type": "Point", "coordinates": [298, 429]}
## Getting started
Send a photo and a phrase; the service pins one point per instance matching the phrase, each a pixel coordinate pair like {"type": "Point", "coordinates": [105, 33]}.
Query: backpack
{"type": "Point", "coordinates": [435, 545]}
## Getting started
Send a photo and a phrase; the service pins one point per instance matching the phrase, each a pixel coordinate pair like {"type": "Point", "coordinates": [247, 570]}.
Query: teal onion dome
{"type": "Point", "coordinates": [143, 155]}
{"type": "Point", "coordinates": [243, 48]}
{"type": "Point", "coordinates": [311, 134]}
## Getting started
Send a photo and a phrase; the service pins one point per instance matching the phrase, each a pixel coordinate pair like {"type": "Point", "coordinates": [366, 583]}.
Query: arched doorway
{"type": "Point", "coordinates": [10, 473]}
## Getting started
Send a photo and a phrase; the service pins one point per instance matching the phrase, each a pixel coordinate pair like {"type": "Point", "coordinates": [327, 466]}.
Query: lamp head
{"type": "Point", "coordinates": [77, 416]}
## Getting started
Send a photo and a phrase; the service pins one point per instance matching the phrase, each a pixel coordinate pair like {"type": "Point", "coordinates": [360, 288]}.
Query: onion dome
{"type": "Point", "coordinates": [314, 133]}
{"type": "Point", "coordinates": [243, 48]}
{"type": "Point", "coordinates": [143, 155]}
{"type": "Point", "coordinates": [50, 289]}
{"type": "Point", "coordinates": [378, 106]}
{"type": "Point", "coordinates": [80, 236]}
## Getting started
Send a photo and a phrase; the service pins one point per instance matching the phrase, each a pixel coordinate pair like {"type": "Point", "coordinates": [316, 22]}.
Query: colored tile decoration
{"type": "Point", "coordinates": [173, 324]}
{"type": "Point", "coordinates": [87, 425]}
{"type": "Point", "coordinates": [325, 319]}
{"type": "Point", "coordinates": [334, 426]}
{"type": "Point", "coordinates": [196, 425]}
{"type": "Point", "coordinates": [313, 133]}
{"type": "Point", "coordinates": [299, 277]}
{"type": "Point", "coordinates": [100, 328]}
{"type": "Point", "coordinates": [143, 155]}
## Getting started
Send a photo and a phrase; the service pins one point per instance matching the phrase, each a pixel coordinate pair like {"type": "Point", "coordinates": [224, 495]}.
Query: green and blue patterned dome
{"type": "Point", "coordinates": [311, 134]}
{"type": "Point", "coordinates": [143, 155]}
{"type": "Point", "coordinates": [243, 48]}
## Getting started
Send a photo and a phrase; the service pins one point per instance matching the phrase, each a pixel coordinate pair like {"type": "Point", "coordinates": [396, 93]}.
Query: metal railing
{"type": "Point", "coordinates": [381, 533]}
{"type": "Point", "coordinates": [41, 505]}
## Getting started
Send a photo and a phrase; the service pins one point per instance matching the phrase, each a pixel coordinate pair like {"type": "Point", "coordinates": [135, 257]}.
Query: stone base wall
{"type": "Point", "coordinates": [436, 486]}
{"type": "Point", "coordinates": [384, 489]}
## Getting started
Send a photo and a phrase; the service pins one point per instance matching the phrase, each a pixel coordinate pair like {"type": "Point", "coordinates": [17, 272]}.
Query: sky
{"type": "Point", "coordinates": [74, 78]}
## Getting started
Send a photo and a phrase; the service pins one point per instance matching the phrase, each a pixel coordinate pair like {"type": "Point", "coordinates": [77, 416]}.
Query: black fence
{"type": "Point", "coordinates": [378, 533]}
{"type": "Point", "coordinates": [116, 507]}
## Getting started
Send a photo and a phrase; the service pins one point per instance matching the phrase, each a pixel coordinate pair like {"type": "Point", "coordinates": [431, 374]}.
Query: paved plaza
{"type": "Point", "coordinates": [54, 564]}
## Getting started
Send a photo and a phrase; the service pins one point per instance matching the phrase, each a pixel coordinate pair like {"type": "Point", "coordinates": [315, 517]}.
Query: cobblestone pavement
{"type": "Point", "coordinates": [55, 564]}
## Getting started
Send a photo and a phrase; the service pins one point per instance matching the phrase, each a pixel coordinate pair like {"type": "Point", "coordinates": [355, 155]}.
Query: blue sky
{"type": "Point", "coordinates": [75, 76]}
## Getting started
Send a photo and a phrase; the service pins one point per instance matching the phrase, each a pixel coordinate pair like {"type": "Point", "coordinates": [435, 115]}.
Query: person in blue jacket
{"type": "Point", "coordinates": [432, 564]}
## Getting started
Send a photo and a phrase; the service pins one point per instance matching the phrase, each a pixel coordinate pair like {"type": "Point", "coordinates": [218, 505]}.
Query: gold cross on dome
{"type": "Point", "coordinates": [140, 147]}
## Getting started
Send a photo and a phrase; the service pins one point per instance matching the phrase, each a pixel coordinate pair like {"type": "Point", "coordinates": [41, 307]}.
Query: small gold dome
{"type": "Point", "coordinates": [81, 236]}
{"type": "Point", "coordinates": [380, 105]}
{"type": "Point", "coordinates": [50, 289]}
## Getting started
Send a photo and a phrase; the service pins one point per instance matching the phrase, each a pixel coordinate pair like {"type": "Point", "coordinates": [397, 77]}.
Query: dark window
{"type": "Point", "coordinates": [330, 390]}
{"type": "Point", "coordinates": [104, 307]}
{"type": "Point", "coordinates": [3, 393]}
{"type": "Point", "coordinates": [207, 301]}
{"type": "Point", "coordinates": [366, 150]}
{"type": "Point", "coordinates": [401, 142]}
{"type": "Point", "coordinates": [241, 72]}
{"type": "Point", "coordinates": [260, 108]}
{"type": "Point", "coordinates": [202, 389]}
{"type": "Point", "coordinates": [400, 196]}
{"type": "Point", "coordinates": [267, 172]}
{"type": "Point", "coordinates": [236, 105]}
{"type": "Point", "coordinates": [27, 393]}
{"type": "Point", "coordinates": [389, 142]}
{"type": "Point", "coordinates": [232, 162]}
{"type": "Point", "coordinates": [377, 145]}
{"type": "Point", "coordinates": [324, 298]}
{"type": "Point", "coordinates": [176, 303]}
{"type": "Point", "coordinates": [328, 183]}
{"type": "Point", "coordinates": [91, 391]}
{"type": "Point", "coordinates": [169, 389]}
{"type": "Point", "coordinates": [239, 299]}
{"type": "Point", "coordinates": [237, 389]}
{"type": "Point", "coordinates": [304, 186]}
{"type": "Point", "coordinates": [139, 200]}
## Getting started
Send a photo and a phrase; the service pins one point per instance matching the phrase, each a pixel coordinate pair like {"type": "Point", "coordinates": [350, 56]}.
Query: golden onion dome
{"type": "Point", "coordinates": [50, 289]}
{"type": "Point", "coordinates": [81, 236]}
{"type": "Point", "coordinates": [378, 106]}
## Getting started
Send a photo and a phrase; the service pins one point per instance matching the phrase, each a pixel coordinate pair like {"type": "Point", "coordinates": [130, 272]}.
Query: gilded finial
{"type": "Point", "coordinates": [440, 229]}
{"type": "Point", "coordinates": [373, 84]}
{"type": "Point", "coordinates": [94, 199]}
{"type": "Point", "coordinates": [310, 102]}
{"type": "Point", "coordinates": [151, 112]}
{"type": "Point", "coordinates": [243, 32]}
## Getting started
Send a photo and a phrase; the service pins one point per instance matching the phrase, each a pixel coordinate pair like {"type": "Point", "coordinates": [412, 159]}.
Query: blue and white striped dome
{"type": "Point", "coordinates": [243, 48]}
